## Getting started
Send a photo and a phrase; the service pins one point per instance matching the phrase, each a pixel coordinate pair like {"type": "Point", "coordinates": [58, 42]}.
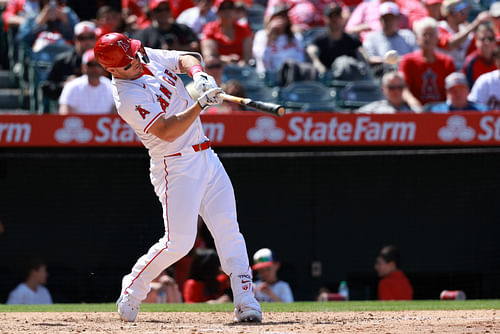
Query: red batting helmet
{"type": "Point", "coordinates": [116, 50]}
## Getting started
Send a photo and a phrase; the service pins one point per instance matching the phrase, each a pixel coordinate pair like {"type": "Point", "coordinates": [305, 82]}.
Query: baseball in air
{"type": "Point", "coordinates": [391, 57]}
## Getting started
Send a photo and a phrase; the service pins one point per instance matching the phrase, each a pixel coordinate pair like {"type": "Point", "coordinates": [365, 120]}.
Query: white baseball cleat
{"type": "Point", "coordinates": [250, 312]}
{"type": "Point", "coordinates": [128, 308]}
{"type": "Point", "coordinates": [246, 307]}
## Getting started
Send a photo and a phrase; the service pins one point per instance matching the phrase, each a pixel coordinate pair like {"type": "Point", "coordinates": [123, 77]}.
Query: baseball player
{"type": "Point", "coordinates": [187, 175]}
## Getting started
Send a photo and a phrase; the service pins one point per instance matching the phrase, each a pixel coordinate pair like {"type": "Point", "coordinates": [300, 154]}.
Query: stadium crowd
{"type": "Point", "coordinates": [374, 56]}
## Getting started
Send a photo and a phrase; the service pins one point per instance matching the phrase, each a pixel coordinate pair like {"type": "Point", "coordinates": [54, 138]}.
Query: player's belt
{"type": "Point", "coordinates": [197, 148]}
{"type": "Point", "coordinates": [201, 146]}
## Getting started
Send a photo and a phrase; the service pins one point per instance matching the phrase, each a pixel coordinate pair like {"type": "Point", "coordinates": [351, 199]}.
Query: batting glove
{"type": "Point", "coordinates": [210, 98]}
{"type": "Point", "coordinates": [203, 82]}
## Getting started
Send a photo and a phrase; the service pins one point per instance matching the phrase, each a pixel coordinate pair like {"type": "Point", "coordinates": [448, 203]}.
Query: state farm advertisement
{"type": "Point", "coordinates": [254, 129]}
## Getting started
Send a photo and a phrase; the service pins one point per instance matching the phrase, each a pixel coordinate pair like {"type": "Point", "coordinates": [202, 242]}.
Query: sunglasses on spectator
{"type": "Point", "coordinates": [126, 68]}
{"type": "Point", "coordinates": [396, 87]}
{"type": "Point", "coordinates": [85, 37]}
{"type": "Point", "coordinates": [487, 39]}
{"type": "Point", "coordinates": [93, 64]}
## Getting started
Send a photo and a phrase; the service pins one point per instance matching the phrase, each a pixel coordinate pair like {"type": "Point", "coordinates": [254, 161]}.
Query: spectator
{"type": "Point", "coordinates": [54, 23]}
{"type": "Point", "coordinates": [481, 60]}
{"type": "Point", "coordinates": [134, 15]}
{"type": "Point", "coordinates": [393, 284]}
{"type": "Point", "coordinates": [206, 281]}
{"type": "Point", "coordinates": [67, 65]}
{"type": "Point", "coordinates": [486, 88]}
{"type": "Point", "coordinates": [433, 8]}
{"type": "Point", "coordinates": [425, 69]}
{"type": "Point", "coordinates": [164, 289]}
{"type": "Point", "coordinates": [393, 84]}
{"type": "Point", "coordinates": [455, 36]}
{"type": "Point", "coordinates": [277, 43]}
{"type": "Point", "coordinates": [457, 90]}
{"type": "Point", "coordinates": [226, 37]}
{"type": "Point", "coordinates": [196, 17]}
{"type": "Point", "coordinates": [270, 288]}
{"type": "Point", "coordinates": [366, 18]}
{"type": "Point", "coordinates": [109, 19]}
{"type": "Point", "coordinates": [333, 43]}
{"type": "Point", "coordinates": [90, 93]}
{"type": "Point", "coordinates": [32, 289]}
{"type": "Point", "coordinates": [16, 11]}
{"type": "Point", "coordinates": [377, 43]}
{"type": "Point", "coordinates": [164, 32]}
{"type": "Point", "coordinates": [495, 19]}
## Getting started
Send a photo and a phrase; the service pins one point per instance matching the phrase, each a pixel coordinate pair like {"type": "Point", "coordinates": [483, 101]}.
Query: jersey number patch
{"type": "Point", "coordinates": [143, 112]}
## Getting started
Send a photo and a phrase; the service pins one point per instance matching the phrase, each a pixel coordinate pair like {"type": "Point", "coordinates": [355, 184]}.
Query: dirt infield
{"type": "Point", "coordinates": [478, 321]}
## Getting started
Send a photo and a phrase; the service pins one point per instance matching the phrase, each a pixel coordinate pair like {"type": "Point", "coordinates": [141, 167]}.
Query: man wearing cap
{"type": "Point", "coordinates": [67, 65]}
{"type": "Point", "coordinates": [227, 37]}
{"type": "Point", "coordinates": [187, 175]}
{"type": "Point", "coordinates": [334, 42]}
{"type": "Point", "coordinates": [457, 90]}
{"type": "Point", "coordinates": [164, 32]}
{"type": "Point", "coordinates": [486, 88]}
{"type": "Point", "coordinates": [455, 34]}
{"type": "Point", "coordinates": [269, 288]}
{"type": "Point", "coordinates": [377, 43]}
{"type": "Point", "coordinates": [89, 94]}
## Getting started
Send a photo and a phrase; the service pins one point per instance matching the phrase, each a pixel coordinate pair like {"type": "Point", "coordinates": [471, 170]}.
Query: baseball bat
{"type": "Point", "coordinates": [267, 107]}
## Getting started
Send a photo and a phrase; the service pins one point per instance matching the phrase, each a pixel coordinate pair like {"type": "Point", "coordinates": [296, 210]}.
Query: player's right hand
{"type": "Point", "coordinates": [210, 97]}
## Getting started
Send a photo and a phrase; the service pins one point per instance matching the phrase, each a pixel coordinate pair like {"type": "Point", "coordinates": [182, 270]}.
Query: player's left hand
{"type": "Point", "coordinates": [203, 82]}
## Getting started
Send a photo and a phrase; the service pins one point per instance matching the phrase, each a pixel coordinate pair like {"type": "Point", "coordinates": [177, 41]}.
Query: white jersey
{"type": "Point", "coordinates": [159, 92]}
{"type": "Point", "coordinates": [280, 288]}
{"type": "Point", "coordinates": [22, 294]}
{"type": "Point", "coordinates": [86, 99]}
{"type": "Point", "coordinates": [486, 90]}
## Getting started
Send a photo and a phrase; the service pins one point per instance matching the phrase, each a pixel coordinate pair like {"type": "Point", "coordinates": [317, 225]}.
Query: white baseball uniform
{"type": "Point", "coordinates": [186, 174]}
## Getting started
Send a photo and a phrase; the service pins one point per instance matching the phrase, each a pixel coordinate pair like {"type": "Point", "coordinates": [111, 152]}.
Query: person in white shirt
{"type": "Point", "coordinates": [196, 17]}
{"type": "Point", "coordinates": [270, 288]}
{"type": "Point", "coordinates": [32, 291]}
{"type": "Point", "coordinates": [485, 89]}
{"type": "Point", "coordinates": [90, 93]}
{"type": "Point", "coordinates": [276, 44]}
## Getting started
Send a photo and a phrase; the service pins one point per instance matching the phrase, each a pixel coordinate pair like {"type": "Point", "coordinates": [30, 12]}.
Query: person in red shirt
{"type": "Point", "coordinates": [481, 60]}
{"type": "Point", "coordinates": [425, 69]}
{"type": "Point", "coordinates": [394, 285]}
{"type": "Point", "coordinates": [226, 37]}
{"type": "Point", "coordinates": [206, 283]}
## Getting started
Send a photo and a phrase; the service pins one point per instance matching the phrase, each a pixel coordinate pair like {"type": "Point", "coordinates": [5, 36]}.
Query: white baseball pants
{"type": "Point", "coordinates": [187, 185]}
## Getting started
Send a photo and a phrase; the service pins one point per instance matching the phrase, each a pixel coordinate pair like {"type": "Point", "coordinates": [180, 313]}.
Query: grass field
{"type": "Point", "coordinates": [350, 306]}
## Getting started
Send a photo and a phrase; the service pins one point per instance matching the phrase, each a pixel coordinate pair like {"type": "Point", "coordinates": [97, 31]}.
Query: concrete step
{"type": "Point", "coordinates": [9, 98]}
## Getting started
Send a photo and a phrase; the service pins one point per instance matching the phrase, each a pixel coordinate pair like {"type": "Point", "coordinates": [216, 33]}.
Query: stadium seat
{"type": "Point", "coordinates": [308, 96]}
{"type": "Point", "coordinates": [244, 74]}
{"type": "Point", "coordinates": [358, 93]}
